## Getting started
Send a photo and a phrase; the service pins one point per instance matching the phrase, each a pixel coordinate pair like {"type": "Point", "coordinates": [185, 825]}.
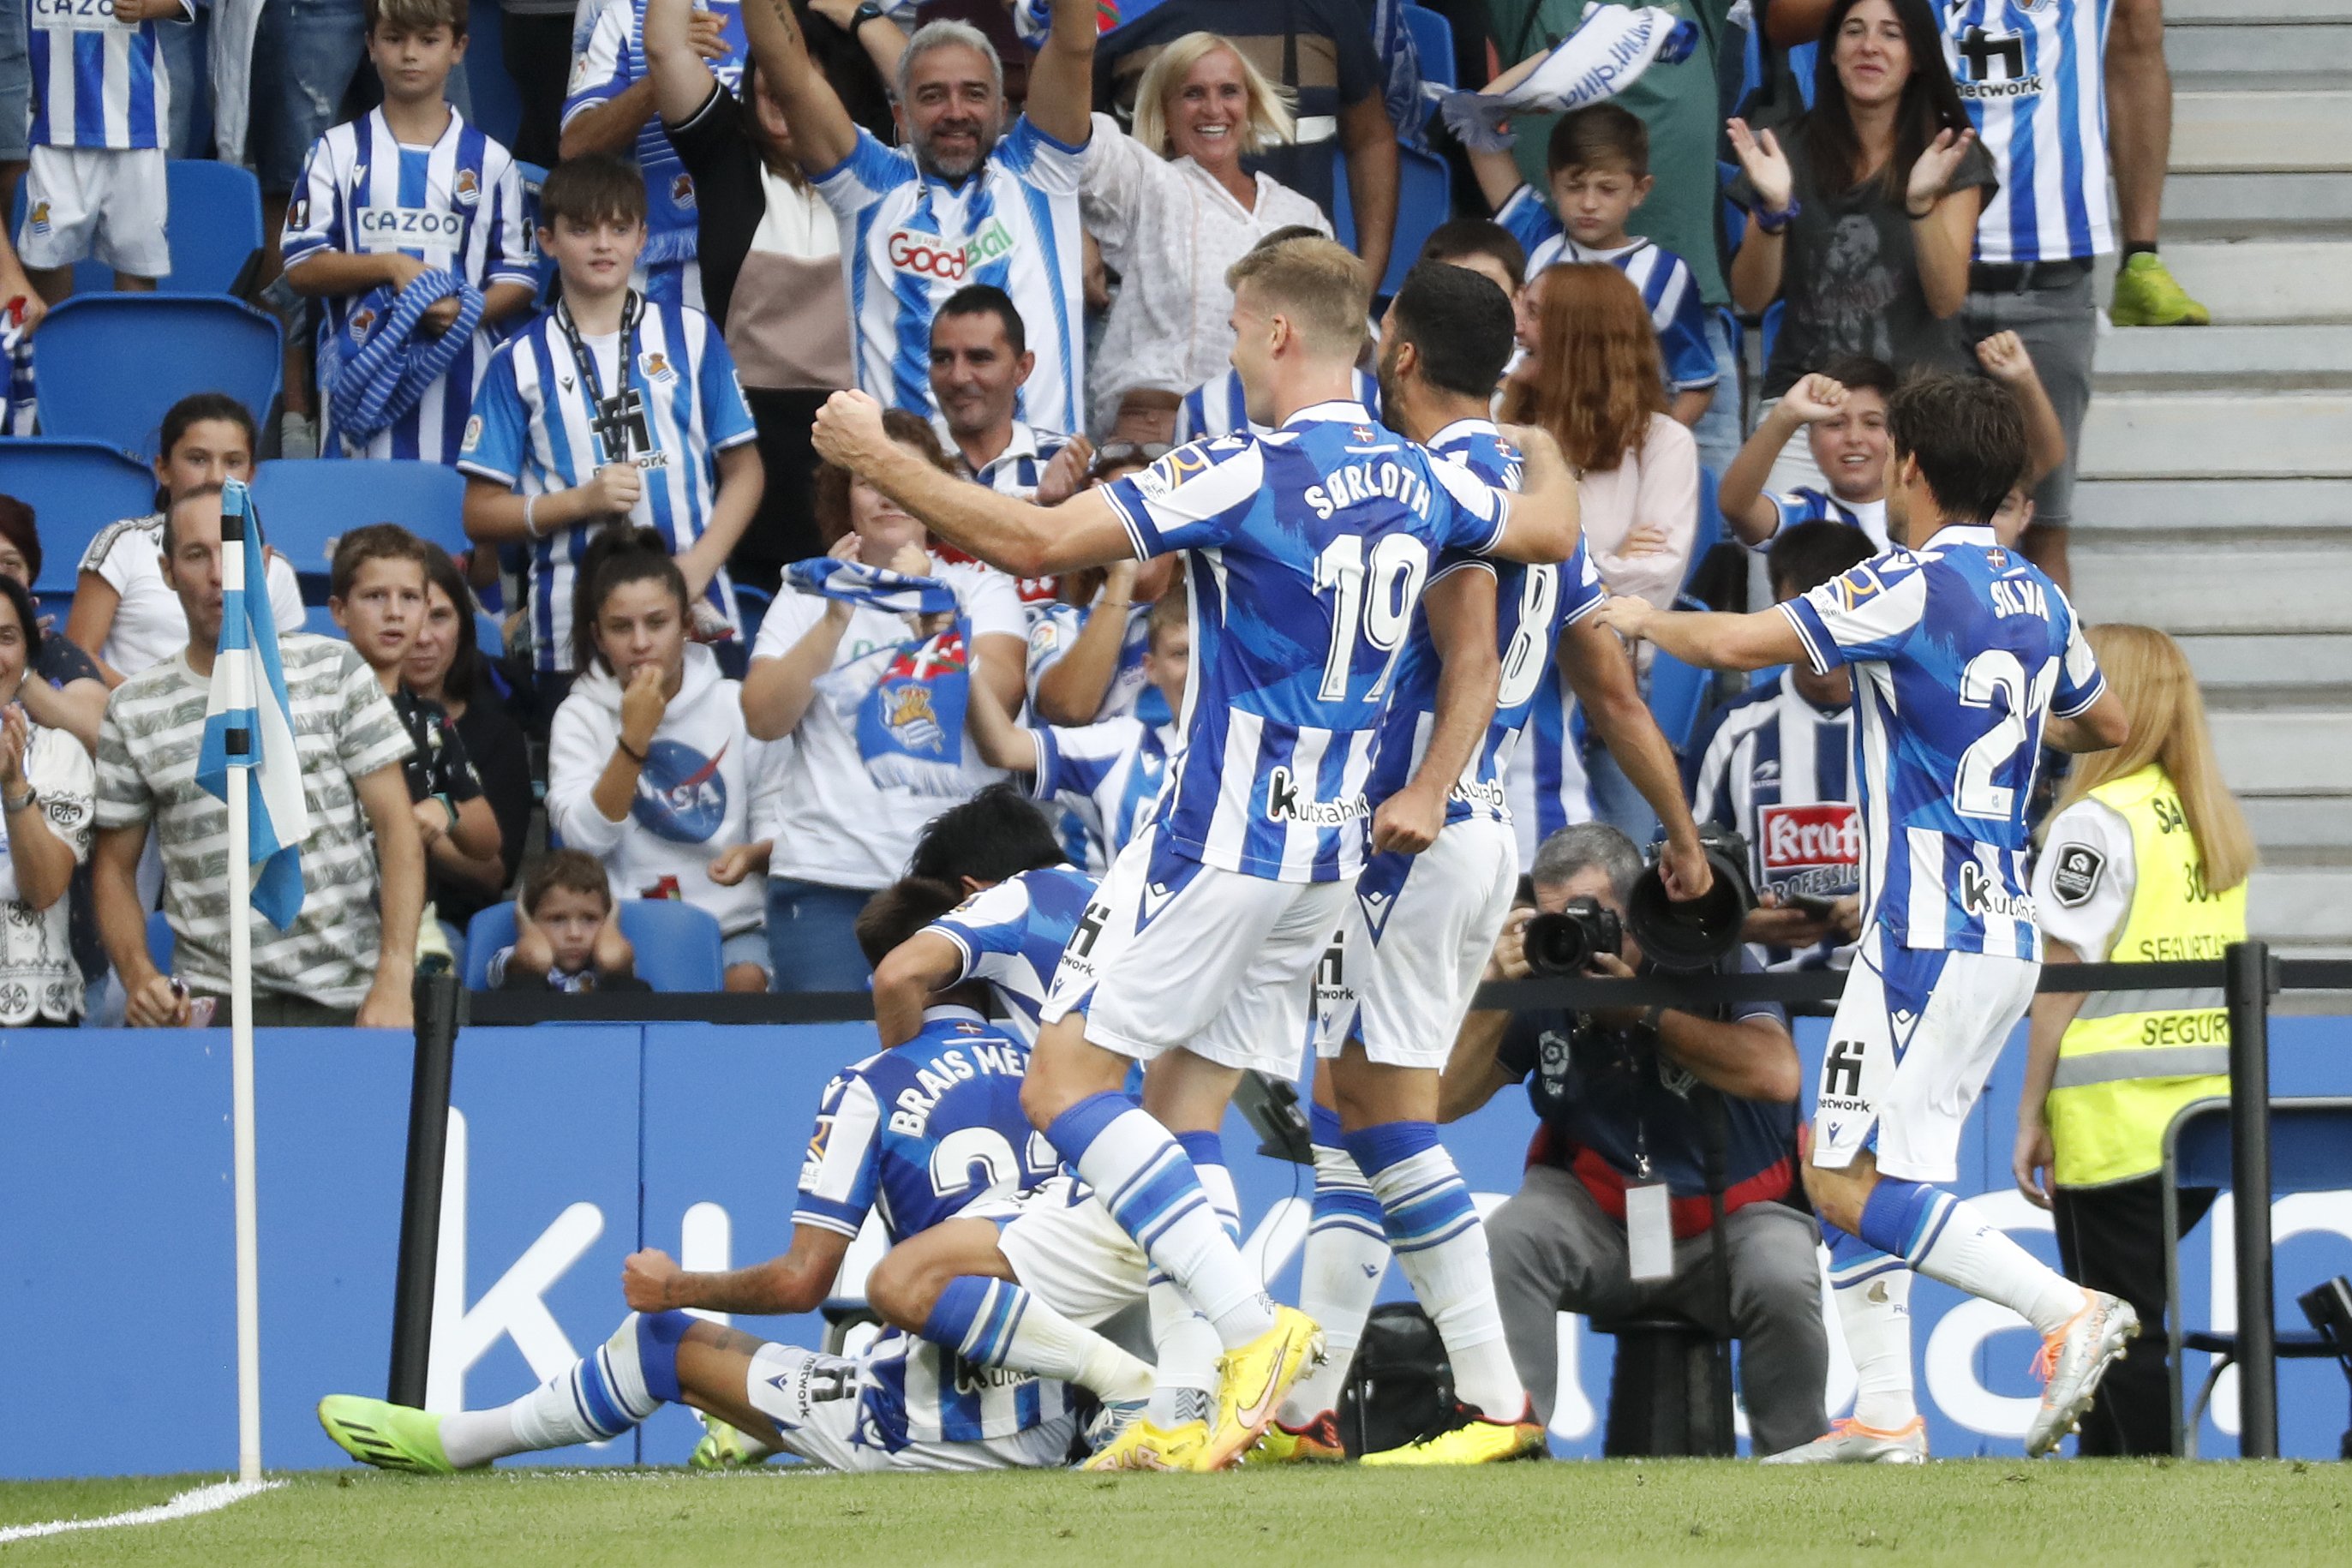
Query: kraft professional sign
{"type": "Point", "coordinates": [571, 1146]}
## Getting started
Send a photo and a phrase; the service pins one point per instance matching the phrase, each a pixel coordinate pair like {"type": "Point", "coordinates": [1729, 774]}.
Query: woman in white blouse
{"type": "Point", "coordinates": [47, 785]}
{"type": "Point", "coordinates": [1172, 208]}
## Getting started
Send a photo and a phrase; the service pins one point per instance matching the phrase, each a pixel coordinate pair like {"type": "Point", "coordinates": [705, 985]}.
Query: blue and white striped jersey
{"type": "Point", "coordinates": [911, 239]}
{"type": "Point", "coordinates": [914, 1392]}
{"type": "Point", "coordinates": [1015, 470]}
{"type": "Point", "coordinates": [916, 1135]}
{"type": "Point", "coordinates": [538, 425]}
{"type": "Point", "coordinates": [1309, 549]}
{"type": "Point", "coordinates": [1531, 604]}
{"type": "Point", "coordinates": [613, 61]}
{"type": "Point", "coordinates": [2032, 75]}
{"type": "Point", "coordinates": [455, 204]}
{"type": "Point", "coordinates": [1111, 773]}
{"type": "Point", "coordinates": [1778, 771]}
{"type": "Point", "coordinates": [1664, 280]}
{"type": "Point", "coordinates": [1806, 504]}
{"type": "Point", "coordinates": [1012, 935]}
{"type": "Point", "coordinates": [1961, 651]}
{"type": "Point", "coordinates": [1219, 407]}
{"type": "Point", "coordinates": [97, 81]}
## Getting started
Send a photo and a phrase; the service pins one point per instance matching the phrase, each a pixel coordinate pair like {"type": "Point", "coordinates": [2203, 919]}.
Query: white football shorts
{"type": "Point", "coordinates": [1067, 1251]}
{"type": "Point", "coordinates": [1916, 1036]}
{"type": "Point", "coordinates": [1174, 954]}
{"type": "Point", "coordinates": [96, 202]}
{"type": "Point", "coordinates": [1415, 944]}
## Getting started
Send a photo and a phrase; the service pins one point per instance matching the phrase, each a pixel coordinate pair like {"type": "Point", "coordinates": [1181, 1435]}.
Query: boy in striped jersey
{"type": "Point", "coordinates": [408, 190]}
{"type": "Point", "coordinates": [610, 409]}
{"type": "Point", "coordinates": [1842, 409]}
{"type": "Point", "coordinates": [1967, 660]}
{"type": "Point", "coordinates": [101, 120]}
{"type": "Point", "coordinates": [911, 1136]}
{"type": "Point", "coordinates": [1599, 163]}
{"type": "Point", "coordinates": [1774, 767]}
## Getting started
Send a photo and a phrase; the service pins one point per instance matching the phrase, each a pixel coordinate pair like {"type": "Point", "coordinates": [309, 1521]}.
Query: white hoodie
{"type": "Point", "coordinates": [707, 786]}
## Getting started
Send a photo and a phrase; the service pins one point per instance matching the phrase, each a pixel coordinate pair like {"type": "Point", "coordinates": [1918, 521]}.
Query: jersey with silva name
{"type": "Point", "coordinates": [456, 205]}
{"type": "Point", "coordinates": [98, 80]}
{"type": "Point", "coordinates": [1111, 772]}
{"type": "Point", "coordinates": [1531, 604]}
{"type": "Point", "coordinates": [614, 61]}
{"type": "Point", "coordinates": [1307, 552]}
{"type": "Point", "coordinates": [539, 427]}
{"type": "Point", "coordinates": [1961, 653]}
{"type": "Point", "coordinates": [910, 239]}
{"type": "Point", "coordinates": [2032, 75]}
{"type": "Point", "coordinates": [1012, 935]}
{"type": "Point", "coordinates": [915, 1135]}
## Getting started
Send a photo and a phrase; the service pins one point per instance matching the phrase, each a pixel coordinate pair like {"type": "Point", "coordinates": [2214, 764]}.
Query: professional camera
{"type": "Point", "coordinates": [1565, 944]}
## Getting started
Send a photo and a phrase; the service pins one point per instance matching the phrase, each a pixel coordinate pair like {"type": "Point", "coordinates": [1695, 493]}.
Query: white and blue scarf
{"type": "Point", "coordinates": [910, 720]}
{"type": "Point", "coordinates": [378, 366]}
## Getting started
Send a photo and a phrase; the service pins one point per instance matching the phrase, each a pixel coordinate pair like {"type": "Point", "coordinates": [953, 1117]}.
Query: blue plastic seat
{"type": "Point", "coordinates": [161, 943]}
{"type": "Point", "coordinates": [306, 504]}
{"type": "Point", "coordinates": [1709, 535]}
{"type": "Point", "coordinates": [108, 366]}
{"type": "Point", "coordinates": [319, 621]}
{"type": "Point", "coordinates": [1677, 694]}
{"type": "Point", "coordinates": [678, 945]}
{"type": "Point", "coordinates": [1432, 41]}
{"type": "Point", "coordinates": [216, 230]}
{"type": "Point", "coordinates": [751, 605]}
{"type": "Point", "coordinates": [75, 488]}
{"type": "Point", "coordinates": [1424, 200]}
{"type": "Point", "coordinates": [490, 635]}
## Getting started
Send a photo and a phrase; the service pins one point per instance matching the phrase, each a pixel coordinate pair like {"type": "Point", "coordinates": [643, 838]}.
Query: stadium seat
{"type": "Point", "coordinates": [160, 942]}
{"type": "Point", "coordinates": [1432, 41]}
{"type": "Point", "coordinates": [75, 488]}
{"type": "Point", "coordinates": [306, 504]}
{"type": "Point", "coordinates": [1669, 1390]}
{"type": "Point", "coordinates": [490, 635]}
{"type": "Point", "coordinates": [494, 104]}
{"type": "Point", "coordinates": [1677, 696]}
{"type": "Point", "coordinates": [1768, 330]}
{"type": "Point", "coordinates": [678, 945]}
{"type": "Point", "coordinates": [108, 366]}
{"type": "Point", "coordinates": [319, 621]}
{"type": "Point", "coordinates": [1424, 200]}
{"type": "Point", "coordinates": [534, 177]}
{"type": "Point", "coordinates": [752, 607]}
{"type": "Point", "coordinates": [1710, 526]}
{"type": "Point", "coordinates": [2311, 1152]}
{"type": "Point", "coordinates": [216, 230]}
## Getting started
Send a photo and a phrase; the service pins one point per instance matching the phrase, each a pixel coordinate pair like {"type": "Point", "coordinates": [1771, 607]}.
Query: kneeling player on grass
{"type": "Point", "coordinates": [1429, 906]}
{"type": "Point", "coordinates": [901, 1405]}
{"type": "Point", "coordinates": [1967, 660]}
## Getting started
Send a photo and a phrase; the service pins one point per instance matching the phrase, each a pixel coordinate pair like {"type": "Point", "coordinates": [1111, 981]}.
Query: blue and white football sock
{"type": "Point", "coordinates": [1339, 1276]}
{"type": "Point", "coordinates": [1872, 1292]}
{"type": "Point", "coordinates": [1440, 1244]}
{"type": "Point", "coordinates": [606, 1393]}
{"type": "Point", "coordinates": [1949, 1239]}
{"type": "Point", "coordinates": [999, 1324]}
{"type": "Point", "coordinates": [1152, 1189]}
{"type": "Point", "coordinates": [1184, 1343]}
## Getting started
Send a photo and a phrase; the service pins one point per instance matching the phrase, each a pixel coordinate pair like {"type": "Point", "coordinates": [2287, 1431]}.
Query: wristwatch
{"type": "Point", "coordinates": [866, 11]}
{"type": "Point", "coordinates": [20, 803]}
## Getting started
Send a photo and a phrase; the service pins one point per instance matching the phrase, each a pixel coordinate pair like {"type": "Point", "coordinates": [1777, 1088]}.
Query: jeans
{"type": "Point", "coordinates": [1719, 429]}
{"type": "Point", "coordinates": [305, 53]}
{"type": "Point", "coordinates": [2060, 328]}
{"type": "Point", "coordinates": [812, 937]}
{"type": "Point", "coordinates": [186, 51]}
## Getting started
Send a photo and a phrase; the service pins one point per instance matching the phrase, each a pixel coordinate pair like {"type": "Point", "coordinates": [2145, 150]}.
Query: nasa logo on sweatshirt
{"type": "Point", "coordinates": [681, 793]}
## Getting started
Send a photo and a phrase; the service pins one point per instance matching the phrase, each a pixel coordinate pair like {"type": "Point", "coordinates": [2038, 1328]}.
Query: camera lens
{"type": "Point", "coordinates": [1565, 944]}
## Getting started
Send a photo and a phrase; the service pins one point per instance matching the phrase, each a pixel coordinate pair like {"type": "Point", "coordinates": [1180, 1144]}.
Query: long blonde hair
{"type": "Point", "coordinates": [2150, 675]}
{"type": "Point", "coordinates": [1270, 117]}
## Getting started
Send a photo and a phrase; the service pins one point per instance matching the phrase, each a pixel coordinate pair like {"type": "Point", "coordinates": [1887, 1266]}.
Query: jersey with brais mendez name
{"type": "Point", "coordinates": [1012, 935]}
{"type": "Point", "coordinates": [916, 1133]}
{"type": "Point", "coordinates": [910, 239]}
{"type": "Point", "coordinates": [1531, 604]}
{"type": "Point", "coordinates": [1961, 652]}
{"type": "Point", "coordinates": [1309, 549]}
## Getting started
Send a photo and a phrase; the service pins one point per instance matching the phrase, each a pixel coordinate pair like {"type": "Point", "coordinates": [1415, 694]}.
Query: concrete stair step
{"type": "Point", "coordinates": [2306, 753]}
{"type": "Point", "coordinates": [2200, 205]}
{"type": "Point", "coordinates": [2254, 672]}
{"type": "Point", "coordinates": [2298, 281]}
{"type": "Point", "coordinates": [2228, 131]}
{"type": "Point", "coordinates": [2305, 356]}
{"type": "Point", "coordinates": [2309, 831]}
{"type": "Point", "coordinates": [2299, 50]}
{"type": "Point", "coordinates": [2144, 435]}
{"type": "Point", "coordinates": [2305, 905]}
{"type": "Point", "coordinates": [2235, 508]}
{"type": "Point", "coordinates": [2240, 13]}
{"type": "Point", "coordinates": [2187, 591]}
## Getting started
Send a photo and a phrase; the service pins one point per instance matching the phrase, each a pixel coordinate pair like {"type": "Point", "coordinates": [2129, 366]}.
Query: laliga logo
{"type": "Point", "coordinates": [681, 795]}
{"type": "Point", "coordinates": [939, 258]}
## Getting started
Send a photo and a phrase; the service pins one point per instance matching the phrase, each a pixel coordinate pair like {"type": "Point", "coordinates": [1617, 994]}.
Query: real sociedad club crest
{"type": "Point", "coordinates": [681, 793]}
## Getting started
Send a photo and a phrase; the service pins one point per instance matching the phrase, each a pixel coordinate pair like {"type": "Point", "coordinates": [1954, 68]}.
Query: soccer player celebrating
{"type": "Point", "coordinates": [1430, 904]}
{"type": "Point", "coordinates": [1967, 660]}
{"type": "Point", "coordinates": [1309, 549]}
{"type": "Point", "coordinates": [899, 1406]}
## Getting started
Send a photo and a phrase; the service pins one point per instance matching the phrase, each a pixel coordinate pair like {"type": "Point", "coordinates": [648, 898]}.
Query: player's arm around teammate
{"type": "Point", "coordinates": [1461, 610]}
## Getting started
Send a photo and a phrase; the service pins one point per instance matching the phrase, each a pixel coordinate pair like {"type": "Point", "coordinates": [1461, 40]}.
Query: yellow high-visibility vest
{"type": "Point", "coordinates": [2132, 1058]}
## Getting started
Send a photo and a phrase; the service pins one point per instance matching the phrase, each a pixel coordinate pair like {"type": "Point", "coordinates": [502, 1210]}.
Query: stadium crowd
{"type": "Point", "coordinates": [687, 659]}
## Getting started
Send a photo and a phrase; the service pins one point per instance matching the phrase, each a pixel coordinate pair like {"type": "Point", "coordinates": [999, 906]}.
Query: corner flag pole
{"type": "Point", "coordinates": [240, 968]}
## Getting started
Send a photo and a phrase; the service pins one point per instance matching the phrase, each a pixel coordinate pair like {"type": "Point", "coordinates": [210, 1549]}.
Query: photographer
{"type": "Point", "coordinates": [1702, 1101]}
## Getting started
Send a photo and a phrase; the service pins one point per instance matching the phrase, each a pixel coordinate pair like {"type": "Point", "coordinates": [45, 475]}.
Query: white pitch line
{"type": "Point", "coordinates": [187, 1505]}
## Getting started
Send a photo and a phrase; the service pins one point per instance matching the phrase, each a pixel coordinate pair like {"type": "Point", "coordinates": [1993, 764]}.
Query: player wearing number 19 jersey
{"type": "Point", "coordinates": [1965, 660]}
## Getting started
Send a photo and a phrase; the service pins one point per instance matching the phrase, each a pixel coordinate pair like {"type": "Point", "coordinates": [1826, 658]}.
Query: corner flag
{"type": "Point", "coordinates": [248, 724]}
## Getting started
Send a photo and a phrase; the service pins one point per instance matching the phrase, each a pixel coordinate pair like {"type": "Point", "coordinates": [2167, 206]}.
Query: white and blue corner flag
{"type": "Point", "coordinates": [248, 724]}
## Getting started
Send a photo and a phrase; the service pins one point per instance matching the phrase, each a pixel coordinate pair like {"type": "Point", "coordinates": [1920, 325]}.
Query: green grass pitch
{"type": "Point", "coordinates": [1989, 1513]}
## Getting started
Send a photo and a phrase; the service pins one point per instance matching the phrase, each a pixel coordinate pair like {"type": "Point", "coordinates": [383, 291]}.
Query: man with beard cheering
{"type": "Point", "coordinates": [966, 201]}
